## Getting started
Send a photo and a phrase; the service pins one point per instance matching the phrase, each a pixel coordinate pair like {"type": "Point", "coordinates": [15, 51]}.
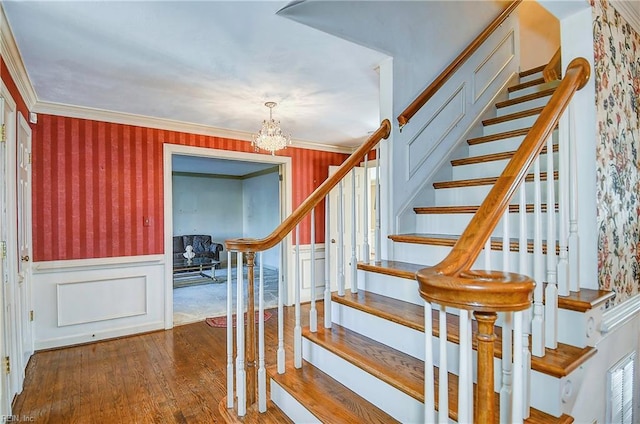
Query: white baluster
{"type": "Point", "coordinates": [522, 240]}
{"type": "Point", "coordinates": [563, 206]}
{"type": "Point", "coordinates": [574, 240]}
{"type": "Point", "coordinates": [523, 269]}
{"type": "Point", "coordinates": [340, 264]}
{"type": "Point", "coordinates": [378, 213]}
{"type": "Point", "coordinates": [297, 329]}
{"type": "Point", "coordinates": [506, 242]}
{"type": "Point", "coordinates": [262, 374]}
{"type": "Point", "coordinates": [365, 188]}
{"type": "Point", "coordinates": [313, 313]}
{"type": "Point", "coordinates": [429, 387]}
{"type": "Point", "coordinates": [327, 263]}
{"type": "Point", "coordinates": [526, 364]}
{"type": "Point", "coordinates": [354, 226]}
{"type": "Point", "coordinates": [487, 254]}
{"type": "Point", "coordinates": [537, 326]}
{"type": "Point", "coordinates": [465, 397]}
{"type": "Point", "coordinates": [443, 375]}
{"type": "Point", "coordinates": [241, 383]}
{"type": "Point", "coordinates": [518, 388]}
{"type": "Point", "coordinates": [229, 333]}
{"type": "Point", "coordinates": [506, 391]}
{"type": "Point", "coordinates": [281, 350]}
{"type": "Point", "coordinates": [551, 291]}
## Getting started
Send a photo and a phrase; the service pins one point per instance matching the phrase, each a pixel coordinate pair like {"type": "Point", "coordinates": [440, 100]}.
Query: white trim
{"type": "Point", "coordinates": [96, 263]}
{"type": "Point", "coordinates": [629, 10]}
{"type": "Point", "coordinates": [286, 195]}
{"type": "Point", "coordinates": [103, 115]}
{"type": "Point", "coordinates": [619, 315]}
{"type": "Point", "coordinates": [13, 60]}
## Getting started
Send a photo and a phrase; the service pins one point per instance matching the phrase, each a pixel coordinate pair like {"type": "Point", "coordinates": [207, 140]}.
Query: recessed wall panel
{"type": "Point", "coordinates": [490, 68]}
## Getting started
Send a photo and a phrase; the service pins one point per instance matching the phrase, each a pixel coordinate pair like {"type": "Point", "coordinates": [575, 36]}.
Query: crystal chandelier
{"type": "Point", "coordinates": [270, 136]}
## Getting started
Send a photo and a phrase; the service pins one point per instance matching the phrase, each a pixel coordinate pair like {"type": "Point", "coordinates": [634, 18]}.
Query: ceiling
{"type": "Point", "coordinates": [212, 63]}
{"type": "Point", "coordinates": [213, 166]}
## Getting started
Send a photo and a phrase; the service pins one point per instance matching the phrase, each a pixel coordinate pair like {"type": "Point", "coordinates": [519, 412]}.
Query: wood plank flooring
{"type": "Point", "coordinates": [174, 376]}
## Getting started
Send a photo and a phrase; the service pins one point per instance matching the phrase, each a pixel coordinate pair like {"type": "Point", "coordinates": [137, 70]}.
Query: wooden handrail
{"type": "Point", "coordinates": [258, 245]}
{"type": "Point", "coordinates": [428, 92]}
{"type": "Point", "coordinates": [471, 243]}
{"type": "Point", "coordinates": [553, 70]}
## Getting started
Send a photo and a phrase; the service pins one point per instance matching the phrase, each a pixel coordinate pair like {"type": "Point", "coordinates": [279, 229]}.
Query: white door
{"type": "Point", "coordinates": [8, 350]}
{"type": "Point", "coordinates": [347, 204]}
{"type": "Point", "coordinates": [23, 300]}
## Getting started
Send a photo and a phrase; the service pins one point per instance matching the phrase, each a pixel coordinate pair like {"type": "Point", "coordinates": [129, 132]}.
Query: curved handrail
{"type": "Point", "coordinates": [466, 250]}
{"type": "Point", "coordinates": [258, 245]}
{"type": "Point", "coordinates": [428, 92]}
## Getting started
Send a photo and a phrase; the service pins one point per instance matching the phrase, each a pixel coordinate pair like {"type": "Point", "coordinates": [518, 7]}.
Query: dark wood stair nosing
{"type": "Point", "coordinates": [531, 71]}
{"type": "Point", "coordinates": [474, 182]}
{"type": "Point", "coordinates": [512, 116]}
{"type": "Point", "coordinates": [525, 98]}
{"type": "Point", "coordinates": [449, 240]}
{"type": "Point", "coordinates": [445, 210]}
{"type": "Point", "coordinates": [527, 84]}
{"type": "Point", "coordinates": [491, 157]}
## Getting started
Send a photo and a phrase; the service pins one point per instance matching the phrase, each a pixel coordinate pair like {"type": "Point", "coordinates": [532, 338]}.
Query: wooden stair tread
{"type": "Point", "coordinates": [558, 362]}
{"type": "Point", "coordinates": [399, 370]}
{"type": "Point", "coordinates": [526, 98]}
{"type": "Point", "coordinates": [532, 71]}
{"type": "Point", "coordinates": [273, 415]}
{"type": "Point", "coordinates": [474, 182]}
{"type": "Point", "coordinates": [449, 240]}
{"type": "Point", "coordinates": [493, 157]}
{"type": "Point", "coordinates": [327, 399]}
{"type": "Point", "coordinates": [527, 84]}
{"type": "Point", "coordinates": [396, 368]}
{"type": "Point", "coordinates": [585, 299]}
{"type": "Point", "coordinates": [392, 268]}
{"type": "Point", "coordinates": [436, 210]}
{"type": "Point", "coordinates": [498, 136]}
{"type": "Point", "coordinates": [512, 116]}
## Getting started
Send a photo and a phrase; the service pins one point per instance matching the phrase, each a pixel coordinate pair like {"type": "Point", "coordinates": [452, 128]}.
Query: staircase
{"type": "Point", "coordinates": [369, 366]}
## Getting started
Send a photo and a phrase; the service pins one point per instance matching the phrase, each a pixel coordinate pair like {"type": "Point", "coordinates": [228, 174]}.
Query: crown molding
{"type": "Point", "coordinates": [13, 60]}
{"type": "Point", "coordinates": [95, 114]}
{"type": "Point", "coordinates": [630, 10]}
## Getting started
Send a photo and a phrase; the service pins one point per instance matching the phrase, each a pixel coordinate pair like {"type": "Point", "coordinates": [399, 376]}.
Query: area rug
{"type": "Point", "coordinates": [221, 322]}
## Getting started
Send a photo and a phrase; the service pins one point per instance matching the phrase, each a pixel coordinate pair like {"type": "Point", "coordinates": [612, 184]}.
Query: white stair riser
{"type": "Point", "coordinates": [290, 406]}
{"type": "Point", "coordinates": [475, 195]}
{"type": "Point", "coordinates": [431, 255]}
{"type": "Point", "coordinates": [531, 77]}
{"type": "Point", "coordinates": [394, 402]}
{"type": "Point", "coordinates": [533, 89]}
{"type": "Point", "coordinates": [386, 332]}
{"type": "Point", "coordinates": [504, 145]}
{"type": "Point", "coordinates": [386, 285]}
{"type": "Point", "coordinates": [514, 124]}
{"type": "Point", "coordinates": [518, 107]}
{"type": "Point", "coordinates": [455, 224]}
{"type": "Point", "coordinates": [492, 168]}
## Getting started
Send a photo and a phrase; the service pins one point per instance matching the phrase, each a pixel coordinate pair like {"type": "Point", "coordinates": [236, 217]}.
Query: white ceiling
{"type": "Point", "coordinates": [206, 165]}
{"type": "Point", "coordinates": [212, 63]}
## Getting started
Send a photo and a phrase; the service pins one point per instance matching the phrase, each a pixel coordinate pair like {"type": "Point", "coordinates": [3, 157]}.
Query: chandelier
{"type": "Point", "coordinates": [270, 136]}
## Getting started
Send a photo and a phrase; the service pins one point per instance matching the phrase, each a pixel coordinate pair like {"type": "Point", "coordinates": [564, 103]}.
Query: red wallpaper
{"type": "Point", "coordinates": [93, 182]}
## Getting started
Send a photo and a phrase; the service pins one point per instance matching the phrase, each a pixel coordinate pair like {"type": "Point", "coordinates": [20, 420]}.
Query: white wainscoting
{"type": "Point", "coordinates": [79, 301]}
{"type": "Point", "coordinates": [305, 273]}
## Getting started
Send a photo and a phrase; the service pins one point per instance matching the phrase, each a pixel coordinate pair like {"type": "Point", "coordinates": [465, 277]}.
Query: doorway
{"type": "Point", "coordinates": [221, 194]}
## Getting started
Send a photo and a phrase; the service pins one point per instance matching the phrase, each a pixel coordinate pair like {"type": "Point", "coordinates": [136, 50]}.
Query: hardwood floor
{"type": "Point", "coordinates": [174, 376]}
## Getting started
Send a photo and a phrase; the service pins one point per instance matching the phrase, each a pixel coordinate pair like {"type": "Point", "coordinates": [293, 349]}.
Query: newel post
{"type": "Point", "coordinates": [250, 335]}
{"type": "Point", "coordinates": [485, 395]}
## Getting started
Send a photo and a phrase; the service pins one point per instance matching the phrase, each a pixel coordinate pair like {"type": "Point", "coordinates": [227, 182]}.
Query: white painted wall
{"type": "Point", "coordinates": [261, 211]}
{"type": "Point", "coordinates": [539, 35]}
{"type": "Point", "coordinates": [207, 205]}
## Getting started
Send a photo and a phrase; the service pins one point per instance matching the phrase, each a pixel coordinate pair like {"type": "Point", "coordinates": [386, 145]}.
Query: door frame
{"type": "Point", "coordinates": [175, 149]}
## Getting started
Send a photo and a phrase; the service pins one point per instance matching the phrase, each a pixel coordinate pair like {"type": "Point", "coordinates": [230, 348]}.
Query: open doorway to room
{"type": "Point", "coordinates": [213, 199]}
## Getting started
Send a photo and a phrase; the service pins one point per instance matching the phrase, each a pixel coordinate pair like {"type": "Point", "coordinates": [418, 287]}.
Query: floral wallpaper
{"type": "Point", "coordinates": [617, 79]}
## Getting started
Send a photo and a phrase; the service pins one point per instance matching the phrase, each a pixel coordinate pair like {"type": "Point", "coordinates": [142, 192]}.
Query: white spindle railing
{"type": "Point", "coordinates": [429, 384]}
{"type": "Point", "coordinates": [378, 233]}
{"type": "Point", "coordinates": [229, 334]}
{"type": "Point", "coordinates": [551, 291]}
{"type": "Point", "coordinates": [297, 329]}
{"type": "Point", "coordinates": [262, 373]}
{"type": "Point", "coordinates": [506, 390]}
{"type": "Point", "coordinates": [366, 251]}
{"type": "Point", "coordinates": [354, 227]}
{"type": "Point", "coordinates": [443, 372]}
{"type": "Point", "coordinates": [241, 377]}
{"type": "Point", "coordinates": [465, 381]}
{"type": "Point", "coordinates": [537, 326]}
{"type": "Point", "coordinates": [340, 247]}
{"type": "Point", "coordinates": [563, 206]}
{"type": "Point", "coordinates": [313, 313]}
{"type": "Point", "coordinates": [574, 241]}
{"type": "Point", "coordinates": [281, 352]}
{"type": "Point", "coordinates": [327, 263]}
